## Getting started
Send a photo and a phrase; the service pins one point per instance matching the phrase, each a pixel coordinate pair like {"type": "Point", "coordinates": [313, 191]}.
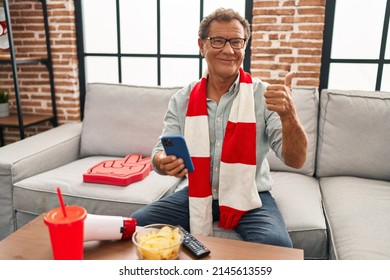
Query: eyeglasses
{"type": "Point", "coordinates": [220, 42]}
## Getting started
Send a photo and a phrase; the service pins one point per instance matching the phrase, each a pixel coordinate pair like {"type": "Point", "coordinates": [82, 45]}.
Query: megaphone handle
{"type": "Point", "coordinates": [128, 229]}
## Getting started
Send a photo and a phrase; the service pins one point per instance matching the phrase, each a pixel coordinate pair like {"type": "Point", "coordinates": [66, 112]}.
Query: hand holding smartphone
{"type": "Point", "coordinates": [176, 145]}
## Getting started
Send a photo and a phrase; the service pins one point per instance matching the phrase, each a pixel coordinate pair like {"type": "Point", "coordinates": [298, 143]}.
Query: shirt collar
{"type": "Point", "coordinates": [234, 88]}
{"type": "Point", "coordinates": [236, 85]}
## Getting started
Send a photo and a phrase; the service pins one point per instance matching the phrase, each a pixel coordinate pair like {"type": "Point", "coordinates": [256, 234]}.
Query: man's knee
{"type": "Point", "coordinates": [271, 239]}
{"type": "Point", "coordinates": [270, 236]}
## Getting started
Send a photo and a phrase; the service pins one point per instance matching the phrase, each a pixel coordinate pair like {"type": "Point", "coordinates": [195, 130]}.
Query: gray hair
{"type": "Point", "coordinates": [222, 14]}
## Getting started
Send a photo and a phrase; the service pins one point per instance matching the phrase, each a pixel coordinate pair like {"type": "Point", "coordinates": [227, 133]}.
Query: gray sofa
{"type": "Point", "coordinates": [336, 206]}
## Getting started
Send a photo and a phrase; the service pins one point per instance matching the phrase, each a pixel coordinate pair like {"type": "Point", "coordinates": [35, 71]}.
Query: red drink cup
{"type": "Point", "coordinates": [67, 233]}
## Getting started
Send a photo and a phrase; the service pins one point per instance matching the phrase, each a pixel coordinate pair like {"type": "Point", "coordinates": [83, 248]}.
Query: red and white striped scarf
{"type": "Point", "coordinates": [237, 187]}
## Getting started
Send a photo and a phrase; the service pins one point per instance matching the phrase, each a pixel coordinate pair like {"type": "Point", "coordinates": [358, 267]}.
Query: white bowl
{"type": "Point", "coordinates": [158, 242]}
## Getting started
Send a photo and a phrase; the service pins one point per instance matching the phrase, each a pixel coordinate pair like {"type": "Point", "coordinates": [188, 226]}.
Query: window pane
{"type": "Point", "coordinates": [101, 69]}
{"type": "Point", "coordinates": [99, 26]}
{"type": "Point", "coordinates": [179, 71]}
{"type": "Point", "coordinates": [211, 5]}
{"type": "Point", "coordinates": [358, 29]}
{"type": "Point", "coordinates": [179, 27]}
{"type": "Point", "coordinates": [138, 26]}
{"type": "Point", "coordinates": [386, 78]}
{"type": "Point", "coordinates": [139, 71]}
{"type": "Point", "coordinates": [352, 76]}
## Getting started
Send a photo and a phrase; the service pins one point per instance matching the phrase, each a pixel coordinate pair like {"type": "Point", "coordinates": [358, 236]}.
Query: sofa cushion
{"type": "Point", "coordinates": [299, 200]}
{"type": "Point", "coordinates": [37, 194]}
{"type": "Point", "coordinates": [357, 211]}
{"type": "Point", "coordinates": [354, 134]}
{"type": "Point", "coordinates": [131, 128]}
{"type": "Point", "coordinates": [306, 103]}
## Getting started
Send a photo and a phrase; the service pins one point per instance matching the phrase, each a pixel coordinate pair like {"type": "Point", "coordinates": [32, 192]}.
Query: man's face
{"type": "Point", "coordinates": [225, 62]}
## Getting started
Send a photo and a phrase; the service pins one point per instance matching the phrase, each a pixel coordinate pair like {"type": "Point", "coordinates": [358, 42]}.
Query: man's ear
{"type": "Point", "coordinates": [201, 44]}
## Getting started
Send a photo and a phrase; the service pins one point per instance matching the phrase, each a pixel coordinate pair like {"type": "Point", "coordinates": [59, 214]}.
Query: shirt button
{"type": "Point", "coordinates": [218, 120]}
{"type": "Point", "coordinates": [218, 144]}
{"type": "Point", "coordinates": [216, 169]}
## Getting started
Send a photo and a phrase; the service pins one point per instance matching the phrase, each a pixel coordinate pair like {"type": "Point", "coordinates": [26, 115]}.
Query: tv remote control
{"type": "Point", "coordinates": [193, 245]}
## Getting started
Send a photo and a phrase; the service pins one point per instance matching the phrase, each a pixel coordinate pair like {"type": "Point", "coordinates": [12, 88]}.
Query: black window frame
{"type": "Point", "coordinates": [327, 47]}
{"type": "Point", "coordinates": [81, 54]}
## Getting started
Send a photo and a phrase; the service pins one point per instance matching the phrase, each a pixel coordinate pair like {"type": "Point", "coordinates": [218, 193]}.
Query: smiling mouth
{"type": "Point", "coordinates": [227, 60]}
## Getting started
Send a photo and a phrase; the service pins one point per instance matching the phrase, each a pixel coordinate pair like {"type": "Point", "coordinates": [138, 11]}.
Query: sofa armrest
{"type": "Point", "coordinates": [41, 152]}
{"type": "Point", "coordinates": [31, 156]}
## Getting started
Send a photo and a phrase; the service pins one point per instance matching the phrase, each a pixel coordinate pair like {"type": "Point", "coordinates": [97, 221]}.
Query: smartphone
{"type": "Point", "coordinates": [176, 145]}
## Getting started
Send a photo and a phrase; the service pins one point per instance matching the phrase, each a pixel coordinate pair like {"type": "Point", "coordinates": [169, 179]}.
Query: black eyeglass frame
{"type": "Point", "coordinates": [226, 40]}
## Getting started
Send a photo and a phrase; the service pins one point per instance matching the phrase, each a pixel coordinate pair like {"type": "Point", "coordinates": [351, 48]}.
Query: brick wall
{"type": "Point", "coordinates": [287, 35]}
{"type": "Point", "coordinates": [29, 40]}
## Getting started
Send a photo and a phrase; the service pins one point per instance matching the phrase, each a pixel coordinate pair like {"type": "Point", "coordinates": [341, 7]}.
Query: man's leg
{"type": "Point", "coordinates": [172, 210]}
{"type": "Point", "coordinates": [265, 224]}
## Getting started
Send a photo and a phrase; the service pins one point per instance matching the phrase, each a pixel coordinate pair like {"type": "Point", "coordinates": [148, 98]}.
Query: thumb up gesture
{"type": "Point", "coordinates": [278, 98]}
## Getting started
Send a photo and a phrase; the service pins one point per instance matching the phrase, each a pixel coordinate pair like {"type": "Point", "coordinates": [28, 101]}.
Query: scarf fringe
{"type": "Point", "coordinates": [229, 217]}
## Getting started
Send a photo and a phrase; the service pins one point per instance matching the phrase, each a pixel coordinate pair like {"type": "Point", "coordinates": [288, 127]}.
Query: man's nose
{"type": "Point", "coordinates": [228, 48]}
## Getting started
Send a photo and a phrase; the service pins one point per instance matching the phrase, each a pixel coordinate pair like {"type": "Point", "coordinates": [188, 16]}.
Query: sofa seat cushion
{"type": "Point", "coordinates": [224, 233]}
{"type": "Point", "coordinates": [38, 194]}
{"type": "Point", "coordinates": [357, 211]}
{"type": "Point", "coordinates": [299, 200]}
